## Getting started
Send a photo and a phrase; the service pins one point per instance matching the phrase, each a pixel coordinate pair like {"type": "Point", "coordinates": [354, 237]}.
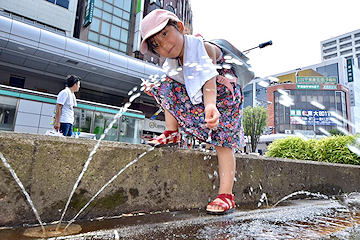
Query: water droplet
{"type": "Point", "coordinates": [229, 76]}
{"type": "Point", "coordinates": [133, 97]}
{"type": "Point", "coordinates": [226, 66]}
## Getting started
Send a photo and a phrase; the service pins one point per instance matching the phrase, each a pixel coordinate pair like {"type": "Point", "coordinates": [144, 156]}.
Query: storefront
{"type": "Point", "coordinates": [32, 112]}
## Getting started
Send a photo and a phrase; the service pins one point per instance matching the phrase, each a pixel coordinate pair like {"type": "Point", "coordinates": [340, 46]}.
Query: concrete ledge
{"type": "Point", "coordinates": [165, 178]}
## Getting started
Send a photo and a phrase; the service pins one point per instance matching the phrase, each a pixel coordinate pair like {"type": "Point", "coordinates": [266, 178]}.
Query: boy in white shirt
{"type": "Point", "coordinates": [65, 103]}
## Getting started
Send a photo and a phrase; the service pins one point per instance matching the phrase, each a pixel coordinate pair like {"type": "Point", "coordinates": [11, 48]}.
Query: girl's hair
{"type": "Point", "coordinates": [151, 46]}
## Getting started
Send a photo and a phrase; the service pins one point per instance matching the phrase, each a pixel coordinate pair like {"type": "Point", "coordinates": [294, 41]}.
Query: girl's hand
{"type": "Point", "coordinates": [212, 116]}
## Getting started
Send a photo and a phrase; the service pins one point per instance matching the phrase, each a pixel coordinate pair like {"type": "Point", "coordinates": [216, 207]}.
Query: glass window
{"type": "Point", "coordinates": [108, 7]}
{"type": "Point", "coordinates": [109, 1]}
{"type": "Point", "coordinates": [124, 35]}
{"type": "Point", "coordinates": [308, 98]}
{"type": "Point", "coordinates": [104, 40]}
{"type": "Point", "coordinates": [130, 130]}
{"type": "Point", "coordinates": [320, 99]}
{"type": "Point", "coordinates": [118, 12]}
{"type": "Point", "coordinates": [338, 97]}
{"type": "Point", "coordinates": [125, 24]}
{"type": "Point", "coordinates": [126, 15]}
{"type": "Point", "coordinates": [95, 25]}
{"type": "Point", "coordinates": [119, 3]}
{"type": "Point", "coordinates": [97, 12]}
{"type": "Point", "coordinates": [102, 121]}
{"type": "Point", "coordinates": [106, 16]}
{"type": "Point", "coordinates": [7, 113]}
{"type": "Point", "coordinates": [115, 32]}
{"type": "Point", "coordinates": [52, 1]}
{"type": "Point", "coordinates": [127, 5]}
{"type": "Point", "coordinates": [105, 28]}
{"type": "Point", "coordinates": [117, 21]}
{"type": "Point", "coordinates": [82, 122]}
{"type": "Point", "coordinates": [332, 98]}
{"type": "Point", "coordinates": [63, 3]}
{"type": "Point", "coordinates": [329, 70]}
{"type": "Point", "coordinates": [123, 47]}
{"type": "Point", "coordinates": [98, 3]}
{"type": "Point", "coordinates": [338, 106]}
{"type": "Point", "coordinates": [114, 44]}
{"type": "Point", "coordinates": [93, 37]}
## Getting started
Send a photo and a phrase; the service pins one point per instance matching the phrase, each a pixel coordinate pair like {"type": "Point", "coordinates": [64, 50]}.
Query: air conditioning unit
{"type": "Point", "coordinates": [287, 131]}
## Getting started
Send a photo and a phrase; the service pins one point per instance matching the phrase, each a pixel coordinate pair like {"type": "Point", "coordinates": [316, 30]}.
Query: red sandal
{"type": "Point", "coordinates": [171, 138]}
{"type": "Point", "coordinates": [227, 207]}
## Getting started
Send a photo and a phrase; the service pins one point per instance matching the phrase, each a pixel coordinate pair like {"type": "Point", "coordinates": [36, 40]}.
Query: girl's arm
{"type": "Point", "coordinates": [209, 90]}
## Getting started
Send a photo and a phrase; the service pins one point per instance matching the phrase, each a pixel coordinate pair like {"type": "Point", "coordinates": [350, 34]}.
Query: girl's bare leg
{"type": "Point", "coordinates": [171, 122]}
{"type": "Point", "coordinates": [227, 166]}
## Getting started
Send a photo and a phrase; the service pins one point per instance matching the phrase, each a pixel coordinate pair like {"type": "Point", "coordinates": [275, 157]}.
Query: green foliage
{"type": "Point", "coordinates": [332, 149]}
{"type": "Point", "coordinates": [335, 131]}
{"type": "Point", "coordinates": [254, 122]}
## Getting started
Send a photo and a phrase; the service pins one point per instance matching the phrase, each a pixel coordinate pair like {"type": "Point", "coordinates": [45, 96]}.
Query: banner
{"type": "Point", "coordinates": [311, 117]}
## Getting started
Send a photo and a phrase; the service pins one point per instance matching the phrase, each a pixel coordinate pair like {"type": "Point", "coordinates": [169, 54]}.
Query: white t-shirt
{"type": "Point", "coordinates": [68, 100]}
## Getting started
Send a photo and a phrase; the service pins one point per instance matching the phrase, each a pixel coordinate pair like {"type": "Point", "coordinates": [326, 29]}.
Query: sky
{"type": "Point", "coordinates": [295, 27]}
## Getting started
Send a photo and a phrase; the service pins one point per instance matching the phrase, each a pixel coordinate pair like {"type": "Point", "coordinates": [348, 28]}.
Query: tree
{"type": "Point", "coordinates": [254, 122]}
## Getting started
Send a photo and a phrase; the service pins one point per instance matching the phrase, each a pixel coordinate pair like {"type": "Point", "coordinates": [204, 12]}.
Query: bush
{"type": "Point", "coordinates": [328, 149]}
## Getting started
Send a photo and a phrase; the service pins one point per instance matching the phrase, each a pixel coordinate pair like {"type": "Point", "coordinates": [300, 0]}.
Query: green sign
{"type": "Point", "coordinates": [89, 12]}
{"type": "Point", "coordinates": [329, 87]}
{"type": "Point", "coordinates": [295, 112]}
{"type": "Point", "coordinates": [308, 86]}
{"type": "Point", "coordinates": [349, 64]}
{"type": "Point", "coordinates": [316, 80]}
{"type": "Point", "coordinates": [138, 6]}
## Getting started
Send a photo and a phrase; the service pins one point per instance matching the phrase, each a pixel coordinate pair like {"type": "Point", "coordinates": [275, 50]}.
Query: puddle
{"type": "Point", "coordinates": [297, 219]}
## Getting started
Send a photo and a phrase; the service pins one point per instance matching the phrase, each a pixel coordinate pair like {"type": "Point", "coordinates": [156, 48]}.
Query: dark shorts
{"type": "Point", "coordinates": [66, 129]}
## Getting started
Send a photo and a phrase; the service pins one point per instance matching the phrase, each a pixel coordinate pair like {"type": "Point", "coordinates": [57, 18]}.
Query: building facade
{"type": "Point", "coordinates": [296, 107]}
{"type": "Point", "coordinates": [42, 43]}
{"type": "Point", "coordinates": [346, 45]}
{"type": "Point", "coordinates": [347, 76]}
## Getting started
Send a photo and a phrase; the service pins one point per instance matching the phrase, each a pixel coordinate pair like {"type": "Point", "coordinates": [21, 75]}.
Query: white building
{"type": "Point", "coordinates": [346, 45]}
{"type": "Point", "coordinates": [55, 15]}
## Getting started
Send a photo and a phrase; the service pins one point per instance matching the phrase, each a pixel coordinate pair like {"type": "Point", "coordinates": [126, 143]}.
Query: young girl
{"type": "Point", "coordinates": [200, 97]}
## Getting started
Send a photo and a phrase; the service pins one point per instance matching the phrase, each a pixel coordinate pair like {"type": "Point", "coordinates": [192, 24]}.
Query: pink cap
{"type": "Point", "coordinates": [153, 23]}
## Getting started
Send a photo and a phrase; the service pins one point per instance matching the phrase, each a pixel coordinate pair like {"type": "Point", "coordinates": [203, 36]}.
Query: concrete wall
{"type": "Point", "coordinates": [165, 178]}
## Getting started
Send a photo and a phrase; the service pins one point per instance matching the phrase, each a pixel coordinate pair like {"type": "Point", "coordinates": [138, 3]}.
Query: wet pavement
{"type": "Point", "coordinates": [297, 219]}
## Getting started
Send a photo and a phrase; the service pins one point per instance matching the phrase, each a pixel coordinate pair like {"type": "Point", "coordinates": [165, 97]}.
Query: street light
{"type": "Point", "coordinates": [261, 45]}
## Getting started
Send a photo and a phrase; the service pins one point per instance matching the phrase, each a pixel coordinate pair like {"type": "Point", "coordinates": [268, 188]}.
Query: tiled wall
{"type": "Point", "coordinates": [34, 117]}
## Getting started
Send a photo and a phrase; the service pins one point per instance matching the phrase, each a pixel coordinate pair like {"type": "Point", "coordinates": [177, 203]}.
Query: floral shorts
{"type": "Point", "coordinates": [191, 118]}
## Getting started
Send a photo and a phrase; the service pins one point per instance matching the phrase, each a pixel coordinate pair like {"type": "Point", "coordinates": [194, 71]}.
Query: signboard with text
{"type": "Point", "coordinates": [89, 13]}
{"type": "Point", "coordinates": [308, 86]}
{"type": "Point", "coordinates": [316, 79]}
{"type": "Point", "coordinates": [349, 64]}
{"type": "Point", "coordinates": [310, 117]}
